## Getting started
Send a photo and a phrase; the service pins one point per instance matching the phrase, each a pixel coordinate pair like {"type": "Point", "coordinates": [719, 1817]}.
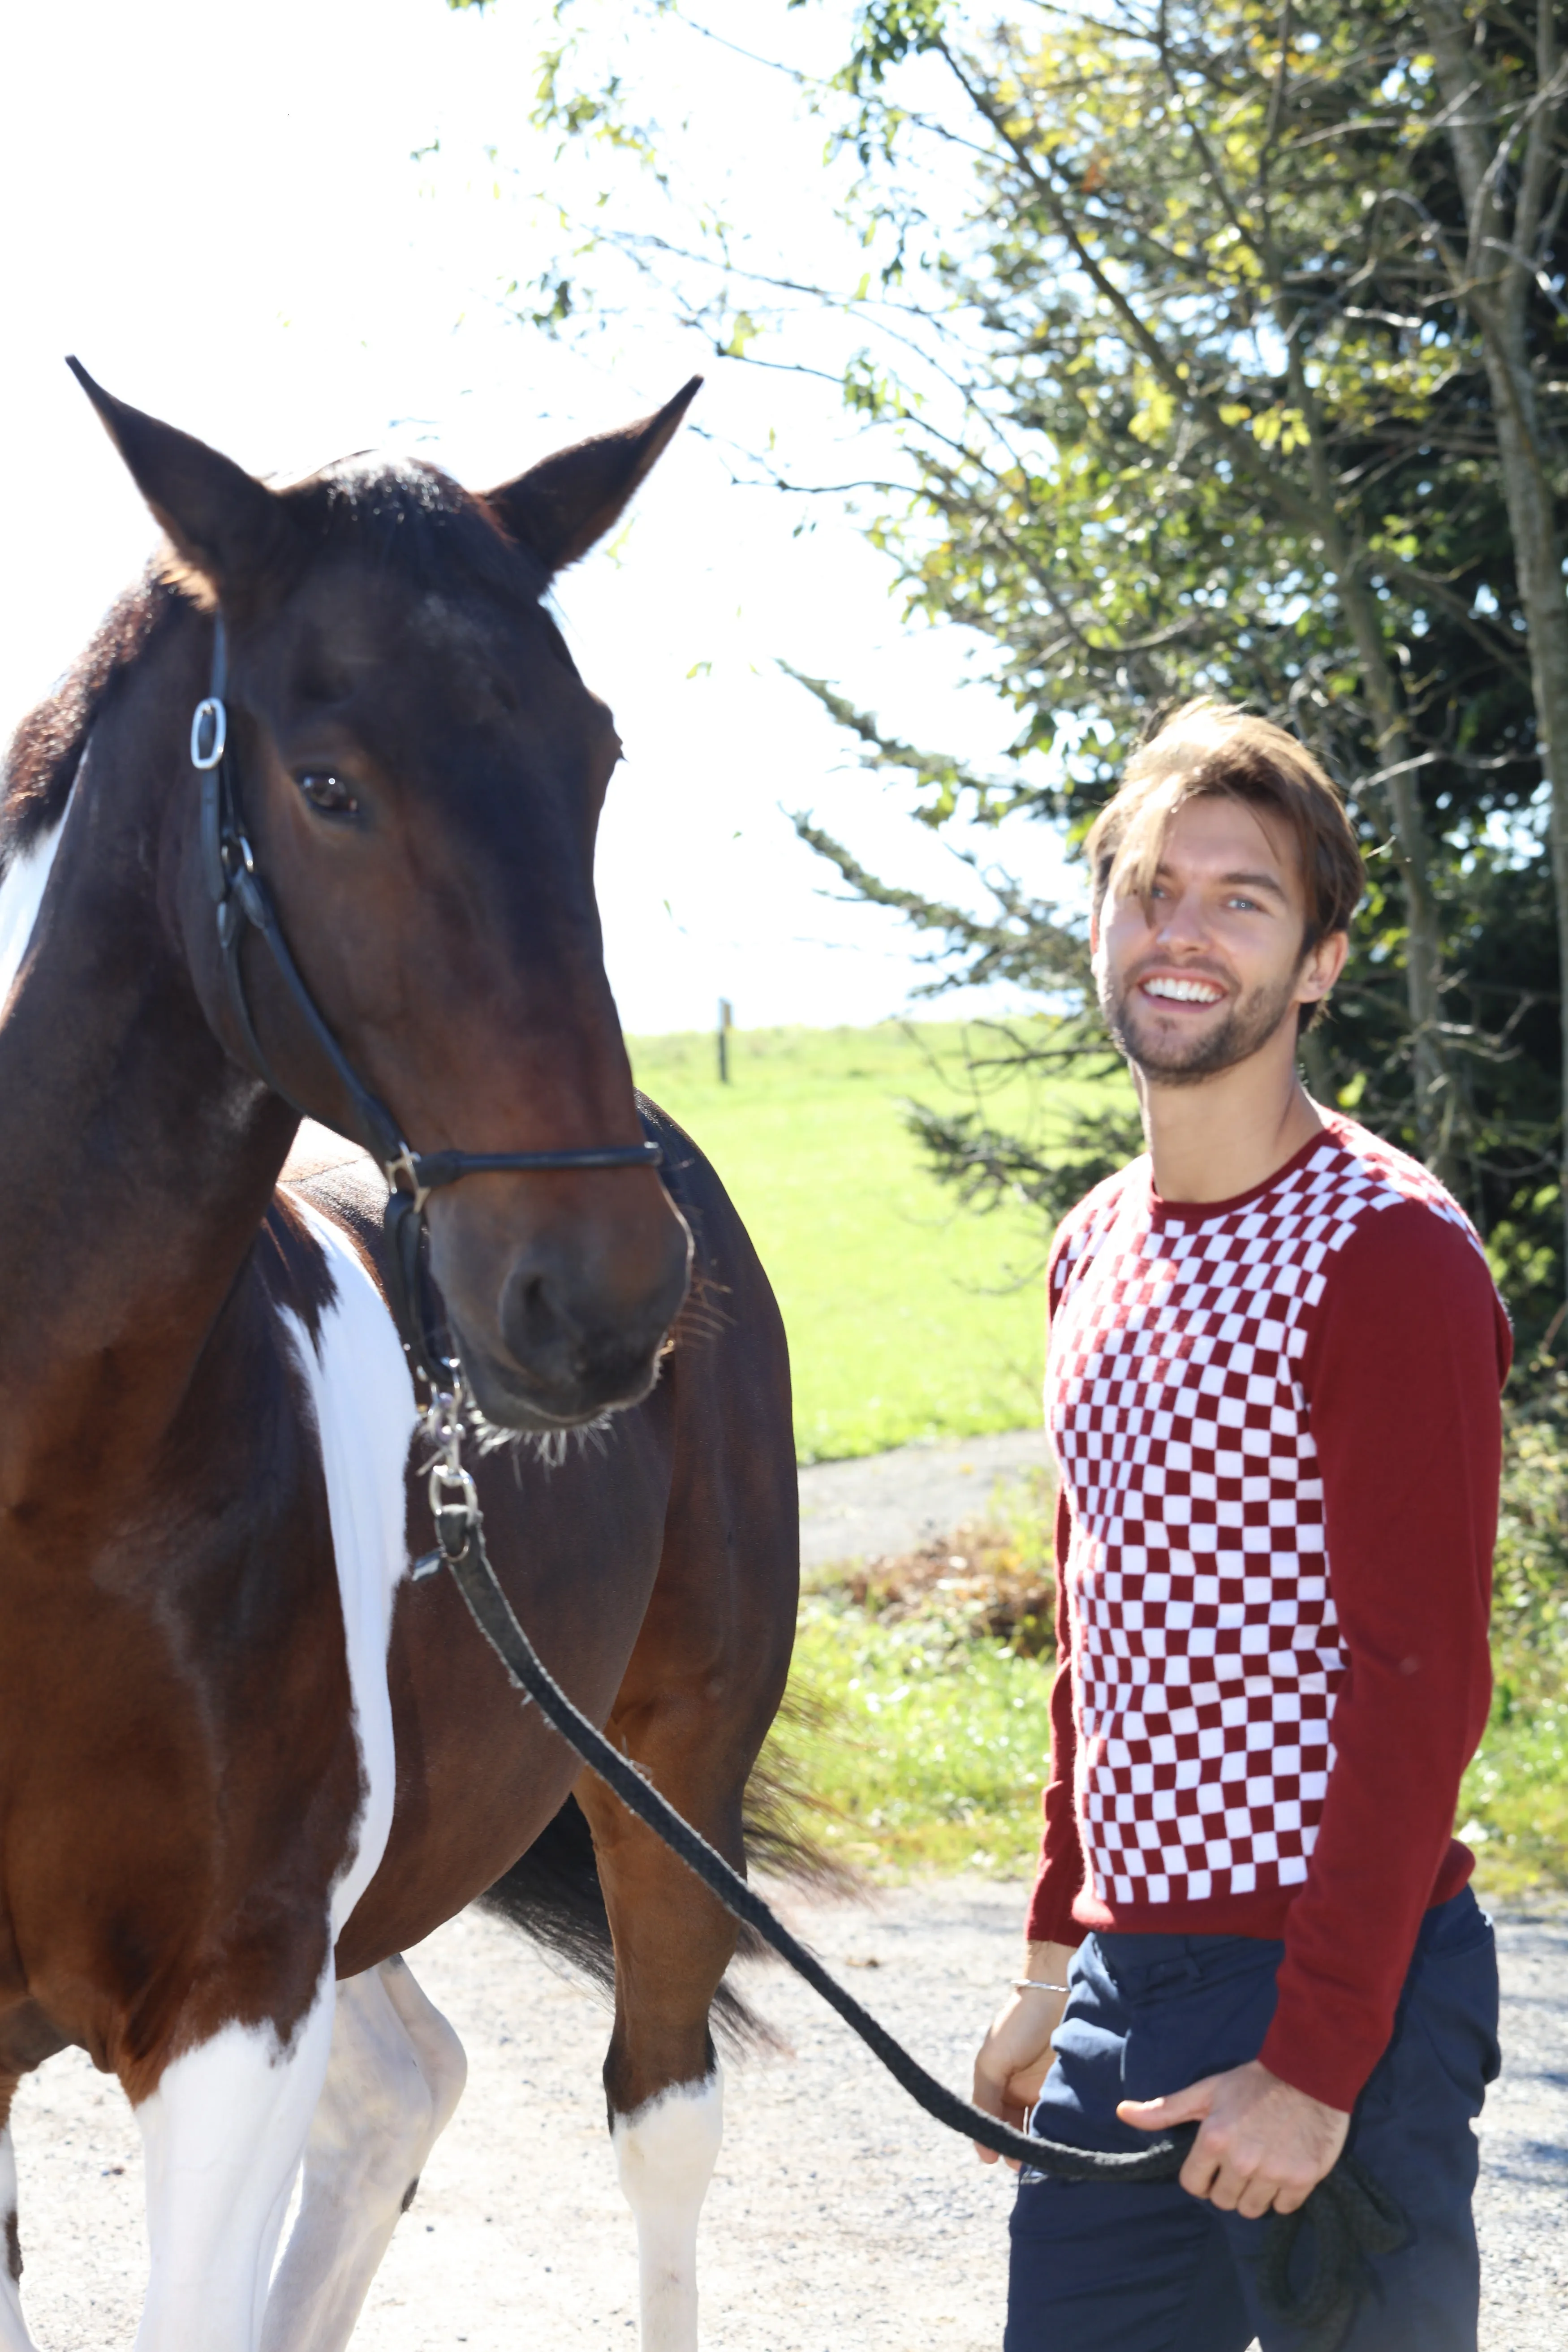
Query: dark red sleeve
{"type": "Point", "coordinates": [1061, 1874]}
{"type": "Point", "coordinates": [1405, 1361]}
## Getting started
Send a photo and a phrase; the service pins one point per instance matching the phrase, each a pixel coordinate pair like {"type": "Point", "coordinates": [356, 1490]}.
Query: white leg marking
{"type": "Point", "coordinates": [222, 2135]}
{"type": "Point", "coordinates": [363, 1398]}
{"type": "Point", "coordinates": [665, 2153]}
{"type": "Point", "coordinates": [14, 2336]}
{"type": "Point", "coordinates": [22, 888]}
{"type": "Point", "coordinates": [396, 2072]}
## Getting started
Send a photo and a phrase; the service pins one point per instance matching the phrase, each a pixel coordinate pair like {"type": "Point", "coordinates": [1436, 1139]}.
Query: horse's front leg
{"type": "Point", "coordinates": [673, 1943]}
{"type": "Point", "coordinates": [396, 2074]}
{"type": "Point", "coordinates": [222, 2135]}
{"type": "Point", "coordinates": [14, 2336]}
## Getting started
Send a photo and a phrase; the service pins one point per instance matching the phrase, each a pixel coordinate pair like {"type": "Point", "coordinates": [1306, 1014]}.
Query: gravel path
{"type": "Point", "coordinates": [840, 2220]}
{"type": "Point", "coordinates": [888, 1502]}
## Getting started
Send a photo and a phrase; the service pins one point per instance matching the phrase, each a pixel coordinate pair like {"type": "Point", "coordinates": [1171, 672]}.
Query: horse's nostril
{"type": "Point", "coordinates": [536, 1328]}
{"type": "Point", "coordinates": [576, 1343]}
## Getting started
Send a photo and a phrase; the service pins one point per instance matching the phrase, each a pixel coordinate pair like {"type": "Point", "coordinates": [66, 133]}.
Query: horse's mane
{"type": "Point", "coordinates": [398, 515]}
{"type": "Point", "coordinates": [46, 748]}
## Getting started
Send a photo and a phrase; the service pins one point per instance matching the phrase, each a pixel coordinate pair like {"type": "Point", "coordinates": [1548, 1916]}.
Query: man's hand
{"type": "Point", "coordinates": [1262, 2146]}
{"type": "Point", "coordinates": [1016, 2056]}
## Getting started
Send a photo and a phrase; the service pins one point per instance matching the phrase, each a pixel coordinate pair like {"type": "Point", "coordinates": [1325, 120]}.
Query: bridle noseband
{"type": "Point", "coordinates": [241, 900]}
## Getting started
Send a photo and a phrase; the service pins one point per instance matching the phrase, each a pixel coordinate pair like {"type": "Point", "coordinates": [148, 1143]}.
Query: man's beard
{"type": "Point", "coordinates": [1247, 1027]}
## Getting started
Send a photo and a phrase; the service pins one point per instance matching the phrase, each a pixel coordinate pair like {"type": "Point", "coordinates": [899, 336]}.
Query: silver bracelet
{"type": "Point", "coordinates": [1037, 1984]}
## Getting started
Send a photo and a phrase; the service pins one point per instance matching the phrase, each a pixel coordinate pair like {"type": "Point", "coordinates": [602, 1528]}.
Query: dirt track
{"type": "Point", "coordinates": [888, 1502]}
{"type": "Point", "coordinates": [840, 2220]}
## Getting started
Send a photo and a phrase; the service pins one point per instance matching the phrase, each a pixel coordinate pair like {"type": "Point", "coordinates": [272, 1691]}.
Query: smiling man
{"type": "Point", "coordinates": [1272, 1387]}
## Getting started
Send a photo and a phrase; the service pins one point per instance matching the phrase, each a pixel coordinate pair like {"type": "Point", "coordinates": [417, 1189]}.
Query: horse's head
{"type": "Point", "coordinates": [422, 770]}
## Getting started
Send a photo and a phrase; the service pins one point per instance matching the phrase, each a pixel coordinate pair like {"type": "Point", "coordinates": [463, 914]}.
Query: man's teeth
{"type": "Point", "coordinates": [1184, 991]}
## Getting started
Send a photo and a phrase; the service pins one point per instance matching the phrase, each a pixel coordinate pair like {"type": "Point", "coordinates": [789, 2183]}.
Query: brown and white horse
{"type": "Point", "coordinates": [243, 1760]}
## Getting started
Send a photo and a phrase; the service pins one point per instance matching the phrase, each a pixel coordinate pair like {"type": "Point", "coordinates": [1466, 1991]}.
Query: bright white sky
{"type": "Point", "coordinates": [220, 209]}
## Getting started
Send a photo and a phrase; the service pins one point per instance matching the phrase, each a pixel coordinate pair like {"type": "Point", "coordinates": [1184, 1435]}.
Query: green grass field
{"type": "Point", "coordinates": [906, 1317]}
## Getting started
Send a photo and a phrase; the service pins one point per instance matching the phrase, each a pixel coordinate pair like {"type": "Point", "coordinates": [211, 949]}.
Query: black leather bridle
{"type": "Point", "coordinates": [241, 900]}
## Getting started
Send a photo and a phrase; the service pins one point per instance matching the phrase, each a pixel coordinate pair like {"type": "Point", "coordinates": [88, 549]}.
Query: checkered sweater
{"type": "Point", "coordinates": [1276, 1424]}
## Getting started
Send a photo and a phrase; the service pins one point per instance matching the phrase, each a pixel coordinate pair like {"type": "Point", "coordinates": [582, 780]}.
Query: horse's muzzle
{"type": "Point", "coordinates": [579, 1319]}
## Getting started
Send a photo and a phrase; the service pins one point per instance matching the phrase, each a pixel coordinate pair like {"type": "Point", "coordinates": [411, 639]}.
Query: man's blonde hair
{"type": "Point", "coordinates": [1209, 749]}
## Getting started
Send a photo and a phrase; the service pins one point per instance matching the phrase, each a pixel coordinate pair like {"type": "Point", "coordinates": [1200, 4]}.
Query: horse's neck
{"type": "Point", "coordinates": [136, 1161]}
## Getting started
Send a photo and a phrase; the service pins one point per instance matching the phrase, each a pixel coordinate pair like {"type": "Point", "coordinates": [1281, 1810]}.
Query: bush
{"type": "Point", "coordinates": [1514, 1807]}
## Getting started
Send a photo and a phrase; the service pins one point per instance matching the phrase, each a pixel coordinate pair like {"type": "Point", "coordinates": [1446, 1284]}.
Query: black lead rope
{"type": "Point", "coordinates": [242, 902]}
{"type": "Point", "coordinates": [1350, 2215]}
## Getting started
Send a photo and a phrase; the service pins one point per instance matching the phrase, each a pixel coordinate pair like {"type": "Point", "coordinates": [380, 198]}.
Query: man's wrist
{"type": "Point", "coordinates": [1330, 2070]}
{"type": "Point", "coordinates": [1046, 1966]}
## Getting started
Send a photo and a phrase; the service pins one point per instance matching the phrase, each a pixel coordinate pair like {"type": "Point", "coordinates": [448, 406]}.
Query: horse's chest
{"type": "Point", "coordinates": [197, 1745]}
{"type": "Point", "coordinates": [166, 1799]}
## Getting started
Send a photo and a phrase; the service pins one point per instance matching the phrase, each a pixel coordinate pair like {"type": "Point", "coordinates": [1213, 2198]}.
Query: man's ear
{"type": "Point", "coordinates": [224, 523]}
{"type": "Point", "coordinates": [1321, 966]}
{"type": "Point", "coordinates": [559, 507]}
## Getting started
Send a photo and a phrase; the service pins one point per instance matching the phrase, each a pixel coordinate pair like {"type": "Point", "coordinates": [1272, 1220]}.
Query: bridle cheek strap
{"type": "Point", "coordinates": [242, 903]}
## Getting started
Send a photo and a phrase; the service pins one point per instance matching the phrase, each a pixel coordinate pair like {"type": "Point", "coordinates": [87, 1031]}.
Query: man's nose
{"type": "Point", "coordinates": [1181, 920]}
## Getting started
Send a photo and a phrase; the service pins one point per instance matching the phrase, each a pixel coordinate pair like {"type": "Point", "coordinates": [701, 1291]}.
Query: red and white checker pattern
{"type": "Point", "coordinates": [1206, 1656]}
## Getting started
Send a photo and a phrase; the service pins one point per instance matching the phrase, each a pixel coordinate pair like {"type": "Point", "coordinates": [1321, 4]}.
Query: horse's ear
{"type": "Point", "coordinates": [223, 522]}
{"type": "Point", "coordinates": [559, 507]}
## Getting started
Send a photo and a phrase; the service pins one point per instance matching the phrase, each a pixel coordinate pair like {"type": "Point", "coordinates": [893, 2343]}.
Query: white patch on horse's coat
{"type": "Point", "coordinates": [14, 2336]}
{"type": "Point", "coordinates": [221, 2135]}
{"type": "Point", "coordinates": [396, 2072]}
{"type": "Point", "coordinates": [226, 2127]}
{"type": "Point", "coordinates": [22, 888]}
{"type": "Point", "coordinates": [363, 1396]}
{"type": "Point", "coordinates": [665, 2153]}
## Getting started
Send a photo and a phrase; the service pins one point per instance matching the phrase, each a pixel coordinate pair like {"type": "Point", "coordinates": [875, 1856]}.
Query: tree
{"type": "Point", "coordinates": [1503, 123]}
{"type": "Point", "coordinates": [1242, 375]}
{"type": "Point", "coordinates": [1247, 445]}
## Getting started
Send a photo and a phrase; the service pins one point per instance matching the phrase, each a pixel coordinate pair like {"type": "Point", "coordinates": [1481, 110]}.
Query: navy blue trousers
{"type": "Point", "coordinates": [1102, 2267]}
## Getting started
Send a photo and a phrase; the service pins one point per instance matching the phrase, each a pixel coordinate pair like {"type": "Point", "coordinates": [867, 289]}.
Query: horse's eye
{"type": "Point", "coordinates": [329, 795]}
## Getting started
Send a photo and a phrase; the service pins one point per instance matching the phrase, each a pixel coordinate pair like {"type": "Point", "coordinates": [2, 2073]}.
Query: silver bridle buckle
{"type": "Point", "coordinates": [403, 1166]}
{"type": "Point", "coordinates": [210, 714]}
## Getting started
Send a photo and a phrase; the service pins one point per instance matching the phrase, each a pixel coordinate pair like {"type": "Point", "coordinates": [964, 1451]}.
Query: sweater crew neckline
{"type": "Point", "coordinates": [1198, 1212]}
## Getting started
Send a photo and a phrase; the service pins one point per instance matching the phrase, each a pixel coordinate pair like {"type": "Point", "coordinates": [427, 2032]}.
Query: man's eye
{"type": "Point", "coordinates": [329, 794]}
